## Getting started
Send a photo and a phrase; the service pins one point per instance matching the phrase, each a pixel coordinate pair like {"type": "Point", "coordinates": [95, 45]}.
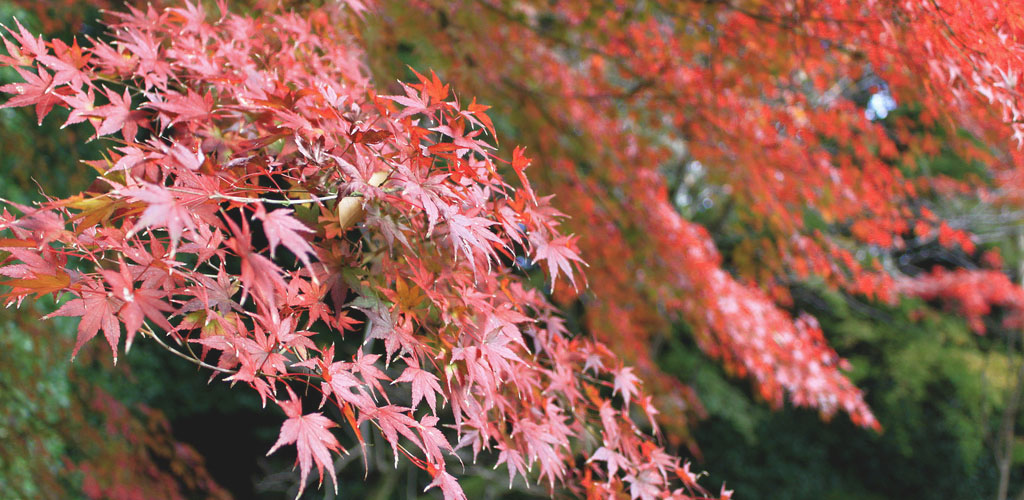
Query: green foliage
{"type": "Point", "coordinates": [933, 384]}
{"type": "Point", "coordinates": [37, 395]}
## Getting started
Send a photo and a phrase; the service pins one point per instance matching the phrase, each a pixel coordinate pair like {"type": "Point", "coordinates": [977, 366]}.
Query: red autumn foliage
{"type": "Point", "coordinates": [224, 124]}
{"type": "Point", "coordinates": [972, 293]}
{"type": "Point", "coordinates": [759, 100]}
{"type": "Point", "coordinates": [229, 129]}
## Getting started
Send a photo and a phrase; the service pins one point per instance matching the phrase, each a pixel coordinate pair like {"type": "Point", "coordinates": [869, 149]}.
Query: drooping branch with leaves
{"type": "Point", "coordinates": [264, 213]}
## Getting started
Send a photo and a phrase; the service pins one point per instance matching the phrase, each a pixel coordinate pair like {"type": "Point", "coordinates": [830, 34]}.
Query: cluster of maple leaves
{"type": "Point", "coordinates": [259, 190]}
{"type": "Point", "coordinates": [261, 201]}
{"type": "Point", "coordinates": [971, 293]}
{"type": "Point", "coordinates": [764, 97]}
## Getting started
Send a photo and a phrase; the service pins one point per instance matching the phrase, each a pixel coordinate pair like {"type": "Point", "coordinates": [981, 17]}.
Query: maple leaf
{"type": "Point", "coordinates": [471, 233]}
{"type": "Point", "coordinates": [393, 420]}
{"type": "Point", "coordinates": [67, 63]}
{"type": "Point", "coordinates": [428, 191]}
{"type": "Point", "coordinates": [82, 105]}
{"type": "Point", "coordinates": [339, 381]}
{"type": "Point", "coordinates": [513, 460]}
{"type": "Point", "coordinates": [32, 46]}
{"type": "Point", "coordinates": [212, 294]}
{"type": "Point", "coordinates": [519, 164]}
{"type": "Point", "coordinates": [152, 66]}
{"type": "Point", "coordinates": [450, 488]}
{"type": "Point", "coordinates": [626, 382]}
{"type": "Point", "coordinates": [412, 100]}
{"type": "Point", "coordinates": [613, 459]}
{"type": "Point", "coordinates": [424, 384]}
{"type": "Point", "coordinates": [476, 113]}
{"type": "Point", "coordinates": [164, 210]}
{"type": "Point", "coordinates": [193, 16]}
{"type": "Point", "coordinates": [188, 158]}
{"type": "Point", "coordinates": [281, 228]}
{"type": "Point", "coordinates": [96, 308]}
{"type": "Point", "coordinates": [544, 439]}
{"type": "Point", "coordinates": [132, 157]}
{"type": "Point", "coordinates": [36, 89]}
{"type": "Point", "coordinates": [39, 284]}
{"type": "Point", "coordinates": [44, 225]}
{"type": "Point", "coordinates": [312, 438]}
{"type": "Point", "coordinates": [395, 332]}
{"type": "Point", "coordinates": [467, 141]}
{"type": "Point", "coordinates": [438, 91]}
{"type": "Point", "coordinates": [117, 115]}
{"type": "Point", "coordinates": [258, 274]}
{"type": "Point", "coordinates": [139, 303]}
{"type": "Point", "coordinates": [646, 485]}
{"type": "Point", "coordinates": [188, 107]}
{"type": "Point", "coordinates": [364, 364]}
{"type": "Point", "coordinates": [433, 439]}
{"type": "Point", "coordinates": [560, 254]}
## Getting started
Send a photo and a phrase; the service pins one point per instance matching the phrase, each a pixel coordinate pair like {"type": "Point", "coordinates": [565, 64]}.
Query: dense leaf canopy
{"type": "Point", "coordinates": [265, 209]}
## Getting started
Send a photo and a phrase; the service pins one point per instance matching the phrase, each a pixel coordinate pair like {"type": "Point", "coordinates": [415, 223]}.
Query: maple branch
{"type": "Point", "coordinates": [286, 201]}
{"type": "Point", "coordinates": [149, 332]}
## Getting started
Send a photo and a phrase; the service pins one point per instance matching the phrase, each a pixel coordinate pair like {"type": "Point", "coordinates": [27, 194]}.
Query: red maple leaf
{"type": "Point", "coordinates": [139, 303]}
{"type": "Point", "coordinates": [164, 210]}
{"type": "Point", "coordinates": [312, 439]}
{"type": "Point", "coordinates": [519, 164]}
{"type": "Point", "coordinates": [626, 382]}
{"type": "Point", "coordinates": [449, 486]}
{"type": "Point", "coordinates": [433, 439]}
{"type": "Point", "coordinates": [283, 229]}
{"type": "Point", "coordinates": [32, 46]}
{"type": "Point", "coordinates": [96, 309]}
{"type": "Point", "coordinates": [36, 89]}
{"type": "Point", "coordinates": [258, 273]}
{"type": "Point", "coordinates": [117, 115]}
{"type": "Point", "coordinates": [67, 63]}
{"type": "Point", "coordinates": [424, 384]}
{"type": "Point", "coordinates": [188, 107]}
{"type": "Point", "coordinates": [560, 254]}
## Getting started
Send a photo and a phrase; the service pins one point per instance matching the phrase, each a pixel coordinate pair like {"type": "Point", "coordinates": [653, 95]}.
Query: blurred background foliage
{"type": "Point", "coordinates": [153, 424]}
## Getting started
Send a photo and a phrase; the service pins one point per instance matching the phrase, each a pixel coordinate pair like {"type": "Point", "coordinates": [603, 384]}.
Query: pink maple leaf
{"type": "Point", "coordinates": [449, 486]}
{"type": "Point", "coordinates": [433, 439]}
{"type": "Point", "coordinates": [393, 420]}
{"type": "Point", "coordinates": [283, 229]}
{"type": "Point", "coordinates": [117, 115]}
{"type": "Point", "coordinates": [36, 89]}
{"type": "Point", "coordinates": [626, 382]}
{"type": "Point", "coordinates": [139, 303]}
{"type": "Point", "coordinates": [164, 210]}
{"type": "Point", "coordinates": [614, 460]}
{"type": "Point", "coordinates": [644, 486]}
{"type": "Point", "coordinates": [424, 384]}
{"type": "Point", "coordinates": [560, 254]}
{"type": "Point", "coordinates": [312, 439]}
{"type": "Point", "coordinates": [96, 309]}
{"type": "Point", "coordinates": [513, 460]}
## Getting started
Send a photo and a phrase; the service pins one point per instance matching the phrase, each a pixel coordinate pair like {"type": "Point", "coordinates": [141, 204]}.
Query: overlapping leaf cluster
{"type": "Point", "coordinates": [235, 136]}
{"type": "Point", "coordinates": [758, 108]}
